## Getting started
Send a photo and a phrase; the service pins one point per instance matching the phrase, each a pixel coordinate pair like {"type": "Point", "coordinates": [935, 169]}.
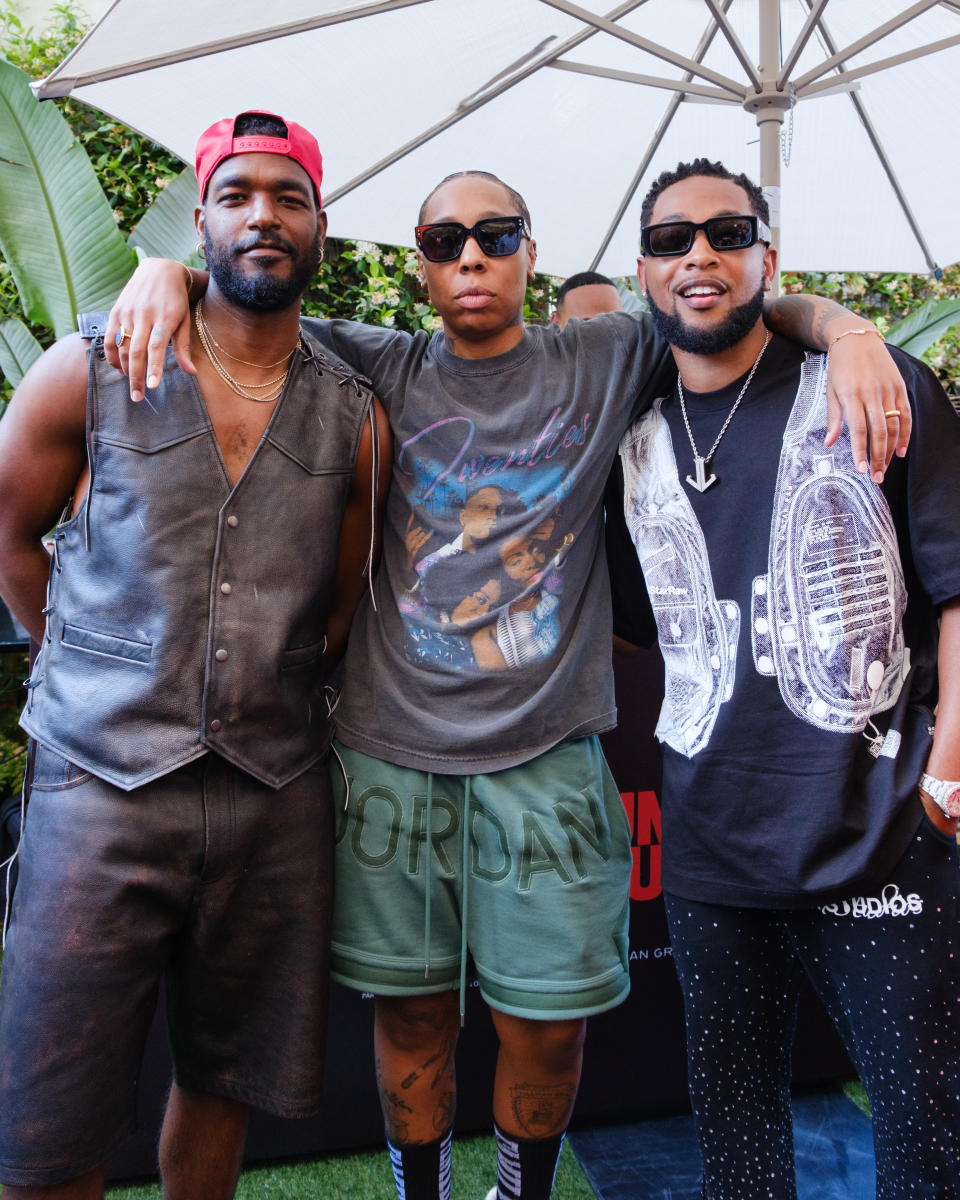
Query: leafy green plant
{"type": "Point", "coordinates": [889, 299]}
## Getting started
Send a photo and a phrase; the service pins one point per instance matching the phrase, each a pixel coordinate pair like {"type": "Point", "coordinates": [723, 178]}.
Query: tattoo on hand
{"type": "Point", "coordinates": [541, 1110]}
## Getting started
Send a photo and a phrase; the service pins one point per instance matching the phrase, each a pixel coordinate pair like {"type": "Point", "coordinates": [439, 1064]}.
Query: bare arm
{"type": "Point", "coordinates": [863, 386]}
{"type": "Point", "coordinates": [944, 760]}
{"type": "Point", "coordinates": [355, 532]}
{"type": "Point", "coordinates": [42, 464]}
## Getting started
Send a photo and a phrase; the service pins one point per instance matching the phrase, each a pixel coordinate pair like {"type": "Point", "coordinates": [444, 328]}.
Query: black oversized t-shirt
{"type": "Point", "coordinates": [801, 660]}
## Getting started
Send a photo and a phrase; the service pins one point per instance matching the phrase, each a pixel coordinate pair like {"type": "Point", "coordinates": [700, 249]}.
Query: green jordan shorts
{"type": "Point", "coordinates": [519, 878]}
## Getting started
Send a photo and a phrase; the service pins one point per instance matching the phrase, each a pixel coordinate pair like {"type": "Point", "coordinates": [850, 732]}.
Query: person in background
{"type": "Point", "coordinates": [585, 295]}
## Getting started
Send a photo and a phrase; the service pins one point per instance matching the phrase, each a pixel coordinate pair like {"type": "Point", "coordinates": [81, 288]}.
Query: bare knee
{"type": "Point", "coordinates": [409, 1023]}
{"type": "Point", "coordinates": [555, 1046]}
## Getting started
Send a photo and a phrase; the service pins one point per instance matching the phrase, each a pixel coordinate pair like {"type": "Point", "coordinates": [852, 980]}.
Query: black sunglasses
{"type": "Point", "coordinates": [723, 233]}
{"type": "Point", "coordinates": [496, 237]}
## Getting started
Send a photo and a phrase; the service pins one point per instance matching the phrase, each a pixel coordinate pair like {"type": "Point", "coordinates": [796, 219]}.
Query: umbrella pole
{"type": "Point", "coordinates": [769, 108]}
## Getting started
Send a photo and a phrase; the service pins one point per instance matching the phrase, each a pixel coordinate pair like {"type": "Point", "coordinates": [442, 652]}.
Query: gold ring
{"type": "Point", "coordinates": [121, 335]}
{"type": "Point", "coordinates": [887, 412]}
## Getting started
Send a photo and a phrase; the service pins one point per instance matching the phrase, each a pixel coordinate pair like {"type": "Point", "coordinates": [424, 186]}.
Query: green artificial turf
{"type": "Point", "coordinates": [367, 1176]}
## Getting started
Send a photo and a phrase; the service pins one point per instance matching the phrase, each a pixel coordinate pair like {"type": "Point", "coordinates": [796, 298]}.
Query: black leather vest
{"type": "Point", "coordinates": [186, 613]}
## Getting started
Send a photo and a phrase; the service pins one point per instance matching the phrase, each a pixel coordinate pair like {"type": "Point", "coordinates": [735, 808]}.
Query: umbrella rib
{"type": "Point", "coordinates": [481, 98]}
{"type": "Point", "coordinates": [837, 56]}
{"type": "Point", "coordinates": [881, 154]}
{"type": "Point", "coordinates": [882, 64]}
{"type": "Point", "coordinates": [669, 113]}
{"type": "Point", "coordinates": [687, 88]}
{"type": "Point", "coordinates": [58, 84]}
{"type": "Point", "coordinates": [735, 44]}
{"type": "Point", "coordinates": [802, 38]}
{"type": "Point", "coordinates": [634, 39]}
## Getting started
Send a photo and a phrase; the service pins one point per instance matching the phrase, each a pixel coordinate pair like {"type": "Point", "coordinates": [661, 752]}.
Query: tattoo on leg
{"type": "Point", "coordinates": [445, 1110]}
{"type": "Point", "coordinates": [394, 1101]}
{"type": "Point", "coordinates": [397, 1131]}
{"type": "Point", "coordinates": [444, 1057]}
{"type": "Point", "coordinates": [542, 1109]}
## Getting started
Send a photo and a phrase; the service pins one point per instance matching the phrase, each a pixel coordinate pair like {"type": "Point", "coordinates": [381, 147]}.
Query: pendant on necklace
{"type": "Point", "coordinates": [701, 483]}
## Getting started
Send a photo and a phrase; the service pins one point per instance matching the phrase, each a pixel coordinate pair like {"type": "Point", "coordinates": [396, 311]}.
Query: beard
{"type": "Point", "coordinates": [263, 292]}
{"type": "Point", "coordinates": [732, 329]}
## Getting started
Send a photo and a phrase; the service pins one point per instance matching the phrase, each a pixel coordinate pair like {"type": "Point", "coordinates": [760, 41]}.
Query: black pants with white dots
{"type": "Point", "coordinates": [886, 964]}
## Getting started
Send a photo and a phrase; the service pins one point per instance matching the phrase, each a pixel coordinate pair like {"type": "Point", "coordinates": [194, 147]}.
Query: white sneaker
{"type": "Point", "coordinates": [492, 1194]}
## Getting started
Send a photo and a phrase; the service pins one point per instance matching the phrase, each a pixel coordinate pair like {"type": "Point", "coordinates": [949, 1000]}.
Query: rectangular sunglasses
{"type": "Point", "coordinates": [497, 237]}
{"type": "Point", "coordinates": [723, 233]}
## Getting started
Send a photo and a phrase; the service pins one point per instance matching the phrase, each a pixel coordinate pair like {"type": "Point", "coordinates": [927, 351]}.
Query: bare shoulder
{"type": "Point", "coordinates": [50, 403]}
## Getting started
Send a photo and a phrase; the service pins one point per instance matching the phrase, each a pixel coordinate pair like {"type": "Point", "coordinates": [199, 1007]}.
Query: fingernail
{"type": "Point", "coordinates": [863, 467]}
{"type": "Point", "coordinates": [136, 397]}
{"type": "Point", "coordinates": [901, 452]}
{"type": "Point", "coordinates": [152, 381]}
{"type": "Point", "coordinates": [878, 477]}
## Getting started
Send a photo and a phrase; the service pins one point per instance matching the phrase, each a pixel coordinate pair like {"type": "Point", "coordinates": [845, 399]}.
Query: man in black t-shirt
{"type": "Point", "coordinates": [810, 623]}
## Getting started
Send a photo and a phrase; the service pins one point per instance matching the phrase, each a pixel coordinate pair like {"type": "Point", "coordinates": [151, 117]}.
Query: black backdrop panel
{"type": "Point", "coordinates": [634, 1062]}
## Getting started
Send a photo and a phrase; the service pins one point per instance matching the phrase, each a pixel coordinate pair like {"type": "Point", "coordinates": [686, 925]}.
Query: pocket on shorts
{"type": "Point", "coordinates": [54, 773]}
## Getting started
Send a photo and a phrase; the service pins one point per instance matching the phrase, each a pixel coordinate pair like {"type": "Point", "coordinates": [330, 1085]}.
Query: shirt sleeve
{"type": "Point", "coordinates": [933, 482]}
{"type": "Point", "coordinates": [369, 349]}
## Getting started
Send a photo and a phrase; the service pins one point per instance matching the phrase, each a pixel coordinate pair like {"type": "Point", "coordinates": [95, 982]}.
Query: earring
{"type": "Point", "coordinates": [322, 252]}
{"type": "Point", "coordinates": [201, 250]}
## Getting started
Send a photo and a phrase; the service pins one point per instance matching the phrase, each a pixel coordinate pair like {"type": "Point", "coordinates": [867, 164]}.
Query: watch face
{"type": "Point", "coordinates": [951, 802]}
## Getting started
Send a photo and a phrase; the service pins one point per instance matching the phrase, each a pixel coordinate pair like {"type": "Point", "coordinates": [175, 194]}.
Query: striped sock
{"type": "Point", "coordinates": [526, 1167]}
{"type": "Point", "coordinates": [422, 1172]}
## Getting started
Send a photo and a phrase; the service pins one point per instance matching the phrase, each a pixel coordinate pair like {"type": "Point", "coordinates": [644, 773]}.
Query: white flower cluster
{"type": "Point", "coordinates": [368, 250]}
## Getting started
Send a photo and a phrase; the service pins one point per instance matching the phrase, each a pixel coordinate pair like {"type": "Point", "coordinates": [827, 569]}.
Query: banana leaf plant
{"type": "Point", "coordinates": [57, 230]}
{"type": "Point", "coordinates": [921, 329]}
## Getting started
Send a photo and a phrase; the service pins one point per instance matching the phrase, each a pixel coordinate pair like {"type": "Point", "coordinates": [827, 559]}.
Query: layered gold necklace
{"type": "Point", "coordinates": [247, 390]}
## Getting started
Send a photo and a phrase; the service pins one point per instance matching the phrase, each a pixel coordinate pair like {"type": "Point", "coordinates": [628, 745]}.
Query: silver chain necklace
{"type": "Point", "coordinates": [701, 482]}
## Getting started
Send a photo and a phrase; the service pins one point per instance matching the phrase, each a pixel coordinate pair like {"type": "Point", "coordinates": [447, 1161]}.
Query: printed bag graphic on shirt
{"type": "Point", "coordinates": [697, 632]}
{"type": "Point", "coordinates": [826, 619]}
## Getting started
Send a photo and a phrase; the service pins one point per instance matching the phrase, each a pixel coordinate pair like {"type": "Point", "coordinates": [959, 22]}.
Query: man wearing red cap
{"type": "Point", "coordinates": [213, 544]}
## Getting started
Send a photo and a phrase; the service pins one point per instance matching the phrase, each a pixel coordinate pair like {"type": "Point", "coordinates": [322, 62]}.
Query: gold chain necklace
{"type": "Point", "coordinates": [234, 384]}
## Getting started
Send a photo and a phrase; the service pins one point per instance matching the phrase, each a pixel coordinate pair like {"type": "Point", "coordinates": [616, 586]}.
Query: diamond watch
{"type": "Point", "coordinates": [945, 793]}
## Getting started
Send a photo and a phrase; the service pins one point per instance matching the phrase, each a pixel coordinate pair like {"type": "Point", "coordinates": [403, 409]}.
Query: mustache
{"type": "Point", "coordinates": [266, 243]}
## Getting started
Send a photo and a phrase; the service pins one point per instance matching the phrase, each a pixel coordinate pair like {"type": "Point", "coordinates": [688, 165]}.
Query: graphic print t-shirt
{"type": "Point", "coordinates": [490, 639]}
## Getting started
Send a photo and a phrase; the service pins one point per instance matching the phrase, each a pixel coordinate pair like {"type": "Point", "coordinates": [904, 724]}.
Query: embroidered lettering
{"type": "Point", "coordinates": [890, 903]}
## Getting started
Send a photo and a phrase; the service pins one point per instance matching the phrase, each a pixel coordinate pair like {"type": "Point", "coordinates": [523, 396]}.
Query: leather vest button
{"type": "Point", "coordinates": [221, 656]}
{"type": "Point", "coordinates": [225, 588]}
{"type": "Point", "coordinates": [233, 522]}
{"type": "Point", "coordinates": [215, 725]}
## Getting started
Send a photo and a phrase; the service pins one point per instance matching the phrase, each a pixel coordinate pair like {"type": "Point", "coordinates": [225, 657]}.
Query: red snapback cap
{"type": "Point", "coordinates": [218, 142]}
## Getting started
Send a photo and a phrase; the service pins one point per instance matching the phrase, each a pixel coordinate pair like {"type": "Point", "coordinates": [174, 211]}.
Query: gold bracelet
{"type": "Point", "coordinates": [872, 329]}
{"type": "Point", "coordinates": [190, 281]}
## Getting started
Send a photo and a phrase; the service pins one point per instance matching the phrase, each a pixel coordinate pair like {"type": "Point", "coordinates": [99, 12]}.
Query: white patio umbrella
{"type": "Point", "coordinates": [577, 106]}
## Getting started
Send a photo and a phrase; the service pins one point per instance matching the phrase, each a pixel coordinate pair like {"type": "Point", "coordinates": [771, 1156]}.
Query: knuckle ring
{"type": "Point", "coordinates": [891, 412]}
{"type": "Point", "coordinates": [122, 335]}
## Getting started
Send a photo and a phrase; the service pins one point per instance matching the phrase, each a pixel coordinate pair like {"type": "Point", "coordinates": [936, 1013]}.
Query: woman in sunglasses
{"type": "Point", "coordinates": [507, 847]}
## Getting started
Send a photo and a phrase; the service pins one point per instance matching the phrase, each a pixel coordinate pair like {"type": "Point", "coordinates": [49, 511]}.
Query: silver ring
{"type": "Point", "coordinates": [121, 335]}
